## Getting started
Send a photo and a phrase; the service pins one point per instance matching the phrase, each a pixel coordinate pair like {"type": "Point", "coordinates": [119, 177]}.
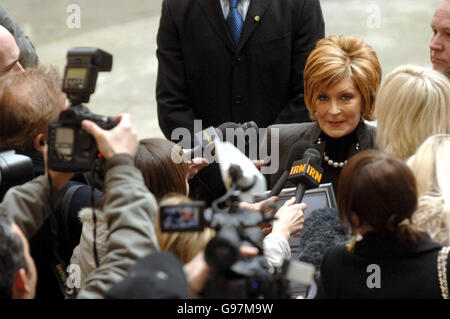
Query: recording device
{"type": "Point", "coordinates": [233, 275]}
{"type": "Point", "coordinates": [296, 152]}
{"type": "Point", "coordinates": [183, 217]}
{"type": "Point", "coordinates": [15, 169]}
{"type": "Point", "coordinates": [71, 149]}
{"type": "Point", "coordinates": [205, 138]}
{"type": "Point", "coordinates": [306, 173]}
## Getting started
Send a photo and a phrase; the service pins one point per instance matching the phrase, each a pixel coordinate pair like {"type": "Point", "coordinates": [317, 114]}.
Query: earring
{"type": "Point", "coordinates": [353, 240]}
{"type": "Point", "coordinates": [315, 113]}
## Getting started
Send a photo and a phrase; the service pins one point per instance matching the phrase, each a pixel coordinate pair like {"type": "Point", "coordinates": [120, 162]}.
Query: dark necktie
{"type": "Point", "coordinates": [235, 21]}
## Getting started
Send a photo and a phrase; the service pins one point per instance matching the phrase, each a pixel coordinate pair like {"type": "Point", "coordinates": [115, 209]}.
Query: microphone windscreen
{"type": "Point", "coordinates": [314, 155]}
{"type": "Point", "coordinates": [322, 230]}
{"type": "Point", "coordinates": [296, 152]}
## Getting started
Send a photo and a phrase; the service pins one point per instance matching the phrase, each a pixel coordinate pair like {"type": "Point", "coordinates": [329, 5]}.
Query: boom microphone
{"type": "Point", "coordinates": [306, 173]}
{"type": "Point", "coordinates": [297, 151]}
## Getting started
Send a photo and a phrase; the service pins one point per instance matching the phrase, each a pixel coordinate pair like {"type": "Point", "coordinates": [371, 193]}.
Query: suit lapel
{"type": "Point", "coordinates": [213, 12]}
{"type": "Point", "coordinates": [256, 9]}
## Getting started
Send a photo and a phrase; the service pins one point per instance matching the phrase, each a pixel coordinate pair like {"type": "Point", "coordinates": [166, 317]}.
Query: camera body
{"type": "Point", "coordinates": [71, 149]}
{"type": "Point", "coordinates": [233, 275]}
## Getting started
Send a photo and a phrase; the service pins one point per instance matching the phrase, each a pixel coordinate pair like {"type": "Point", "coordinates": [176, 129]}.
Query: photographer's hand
{"type": "Point", "coordinates": [119, 140]}
{"type": "Point", "coordinates": [289, 219]}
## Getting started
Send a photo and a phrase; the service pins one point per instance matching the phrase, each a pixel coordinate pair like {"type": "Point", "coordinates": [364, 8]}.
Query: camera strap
{"type": "Point", "coordinates": [58, 266]}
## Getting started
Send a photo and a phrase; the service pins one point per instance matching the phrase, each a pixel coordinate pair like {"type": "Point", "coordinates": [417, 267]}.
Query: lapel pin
{"type": "Point", "coordinates": [257, 18]}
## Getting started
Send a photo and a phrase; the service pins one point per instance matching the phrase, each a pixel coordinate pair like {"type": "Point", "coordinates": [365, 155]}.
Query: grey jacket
{"type": "Point", "coordinates": [28, 56]}
{"type": "Point", "coordinates": [279, 139]}
{"type": "Point", "coordinates": [129, 211]}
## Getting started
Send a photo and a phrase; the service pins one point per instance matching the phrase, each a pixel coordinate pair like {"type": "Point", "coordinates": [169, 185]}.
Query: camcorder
{"type": "Point", "coordinates": [70, 148]}
{"type": "Point", "coordinates": [233, 276]}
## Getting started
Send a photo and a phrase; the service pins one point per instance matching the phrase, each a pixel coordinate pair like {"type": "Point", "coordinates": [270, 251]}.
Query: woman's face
{"type": "Point", "coordinates": [339, 108]}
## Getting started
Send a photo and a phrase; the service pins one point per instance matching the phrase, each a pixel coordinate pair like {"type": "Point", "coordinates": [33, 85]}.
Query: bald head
{"type": "Point", "coordinates": [440, 43]}
{"type": "Point", "coordinates": [9, 53]}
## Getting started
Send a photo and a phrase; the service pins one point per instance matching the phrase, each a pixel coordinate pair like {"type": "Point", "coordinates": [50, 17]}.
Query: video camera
{"type": "Point", "coordinates": [72, 149]}
{"type": "Point", "coordinates": [234, 276]}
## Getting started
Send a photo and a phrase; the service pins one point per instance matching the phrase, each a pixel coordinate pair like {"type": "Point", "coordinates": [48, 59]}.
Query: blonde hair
{"type": "Point", "coordinates": [339, 57]}
{"type": "Point", "coordinates": [412, 104]}
{"type": "Point", "coordinates": [184, 245]}
{"type": "Point", "coordinates": [432, 171]}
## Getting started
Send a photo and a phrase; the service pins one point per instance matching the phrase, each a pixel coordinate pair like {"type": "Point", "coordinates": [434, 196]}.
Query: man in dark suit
{"type": "Point", "coordinates": [251, 71]}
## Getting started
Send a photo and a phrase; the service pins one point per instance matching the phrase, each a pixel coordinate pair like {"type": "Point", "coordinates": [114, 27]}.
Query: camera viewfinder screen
{"type": "Point", "coordinates": [181, 217]}
{"type": "Point", "coordinates": [76, 73]}
{"type": "Point", "coordinates": [64, 140]}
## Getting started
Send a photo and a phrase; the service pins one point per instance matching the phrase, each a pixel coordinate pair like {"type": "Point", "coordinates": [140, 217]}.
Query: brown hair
{"type": "Point", "coordinates": [29, 101]}
{"type": "Point", "coordinates": [339, 57]}
{"type": "Point", "coordinates": [381, 191]}
{"type": "Point", "coordinates": [162, 174]}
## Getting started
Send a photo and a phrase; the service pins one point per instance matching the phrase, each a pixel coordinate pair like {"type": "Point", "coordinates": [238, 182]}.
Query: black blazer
{"type": "Point", "coordinates": [288, 134]}
{"type": "Point", "coordinates": [404, 274]}
{"type": "Point", "coordinates": [203, 75]}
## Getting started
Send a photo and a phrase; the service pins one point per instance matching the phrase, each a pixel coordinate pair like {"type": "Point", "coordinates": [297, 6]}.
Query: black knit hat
{"type": "Point", "coordinates": [157, 276]}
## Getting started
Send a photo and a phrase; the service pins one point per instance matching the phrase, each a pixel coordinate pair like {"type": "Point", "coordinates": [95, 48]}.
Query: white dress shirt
{"type": "Point", "coordinates": [242, 7]}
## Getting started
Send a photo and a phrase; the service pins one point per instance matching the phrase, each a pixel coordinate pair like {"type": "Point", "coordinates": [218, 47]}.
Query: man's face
{"type": "Point", "coordinates": [9, 53]}
{"type": "Point", "coordinates": [31, 275]}
{"type": "Point", "coordinates": [440, 43]}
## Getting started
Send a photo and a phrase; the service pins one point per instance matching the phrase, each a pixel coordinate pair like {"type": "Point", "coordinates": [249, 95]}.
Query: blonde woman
{"type": "Point", "coordinates": [431, 168]}
{"type": "Point", "coordinates": [184, 245]}
{"type": "Point", "coordinates": [412, 104]}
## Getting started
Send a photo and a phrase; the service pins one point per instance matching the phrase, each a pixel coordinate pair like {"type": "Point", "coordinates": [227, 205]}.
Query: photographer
{"type": "Point", "coordinates": [29, 101]}
{"type": "Point", "coordinates": [129, 215]}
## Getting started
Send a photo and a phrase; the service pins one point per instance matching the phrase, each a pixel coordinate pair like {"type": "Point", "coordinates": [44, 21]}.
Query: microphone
{"type": "Point", "coordinates": [206, 138]}
{"type": "Point", "coordinates": [296, 152]}
{"type": "Point", "coordinates": [306, 173]}
{"type": "Point", "coordinates": [250, 124]}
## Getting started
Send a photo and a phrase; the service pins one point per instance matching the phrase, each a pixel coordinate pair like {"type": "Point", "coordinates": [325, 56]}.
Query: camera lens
{"type": "Point", "coordinates": [222, 251]}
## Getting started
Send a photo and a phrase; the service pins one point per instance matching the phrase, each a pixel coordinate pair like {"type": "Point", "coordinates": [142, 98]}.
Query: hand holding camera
{"type": "Point", "coordinates": [120, 139]}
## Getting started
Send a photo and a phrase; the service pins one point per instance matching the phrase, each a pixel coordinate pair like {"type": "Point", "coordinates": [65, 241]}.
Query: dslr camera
{"type": "Point", "coordinates": [72, 149]}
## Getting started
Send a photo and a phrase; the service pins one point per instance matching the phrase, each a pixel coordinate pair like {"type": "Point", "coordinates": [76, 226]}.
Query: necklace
{"type": "Point", "coordinates": [333, 163]}
{"type": "Point", "coordinates": [330, 161]}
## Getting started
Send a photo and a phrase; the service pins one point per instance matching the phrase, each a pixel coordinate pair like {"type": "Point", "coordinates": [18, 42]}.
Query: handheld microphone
{"type": "Point", "coordinates": [250, 124]}
{"type": "Point", "coordinates": [206, 138]}
{"type": "Point", "coordinates": [306, 173]}
{"type": "Point", "coordinates": [296, 152]}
